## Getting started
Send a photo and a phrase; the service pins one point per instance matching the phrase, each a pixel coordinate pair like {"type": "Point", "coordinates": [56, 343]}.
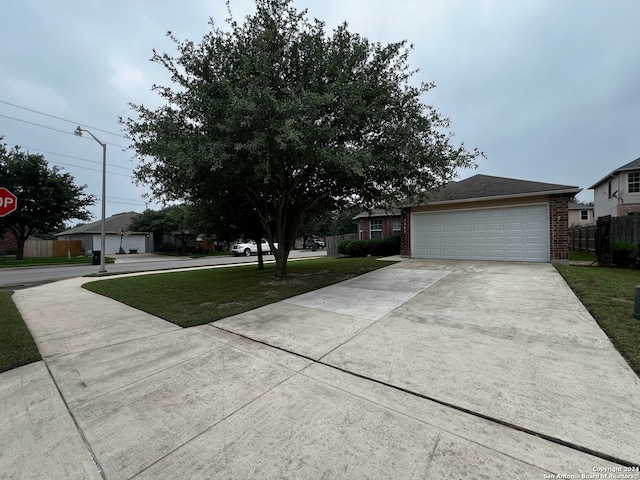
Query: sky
{"type": "Point", "coordinates": [549, 90]}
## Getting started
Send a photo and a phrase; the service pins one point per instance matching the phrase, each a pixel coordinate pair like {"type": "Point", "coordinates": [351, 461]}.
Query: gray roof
{"type": "Point", "coordinates": [486, 187]}
{"type": "Point", "coordinates": [394, 212]}
{"type": "Point", "coordinates": [633, 165]}
{"type": "Point", "coordinates": [579, 206]}
{"type": "Point", "coordinates": [113, 225]}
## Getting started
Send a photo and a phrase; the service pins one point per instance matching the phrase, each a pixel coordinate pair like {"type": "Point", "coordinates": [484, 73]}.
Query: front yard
{"type": "Point", "coordinates": [16, 345]}
{"type": "Point", "coordinates": [202, 296]}
{"type": "Point", "coordinates": [608, 293]}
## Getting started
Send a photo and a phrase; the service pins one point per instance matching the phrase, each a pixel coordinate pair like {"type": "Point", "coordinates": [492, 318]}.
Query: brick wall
{"type": "Point", "coordinates": [559, 228]}
{"type": "Point", "coordinates": [625, 209]}
{"type": "Point", "coordinates": [8, 241]}
{"type": "Point", "coordinates": [405, 232]}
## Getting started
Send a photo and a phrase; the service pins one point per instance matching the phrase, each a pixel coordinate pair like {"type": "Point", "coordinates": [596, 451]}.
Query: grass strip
{"type": "Point", "coordinates": [17, 347]}
{"type": "Point", "coordinates": [43, 262]}
{"type": "Point", "coordinates": [608, 294]}
{"type": "Point", "coordinates": [198, 297]}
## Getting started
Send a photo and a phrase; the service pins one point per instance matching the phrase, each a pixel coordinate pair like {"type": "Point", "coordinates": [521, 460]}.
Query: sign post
{"type": "Point", "coordinates": [8, 202]}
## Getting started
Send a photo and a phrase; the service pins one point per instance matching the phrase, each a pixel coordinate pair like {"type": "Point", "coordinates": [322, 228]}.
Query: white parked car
{"type": "Point", "coordinates": [250, 247]}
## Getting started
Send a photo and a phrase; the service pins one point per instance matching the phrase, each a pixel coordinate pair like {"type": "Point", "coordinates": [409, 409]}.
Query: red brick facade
{"type": "Point", "coordinates": [364, 226]}
{"type": "Point", "coordinates": [7, 241]}
{"type": "Point", "coordinates": [559, 228]}
{"type": "Point", "coordinates": [405, 225]}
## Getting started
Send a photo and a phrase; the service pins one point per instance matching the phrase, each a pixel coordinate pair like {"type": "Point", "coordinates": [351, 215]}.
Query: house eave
{"type": "Point", "coordinates": [575, 191]}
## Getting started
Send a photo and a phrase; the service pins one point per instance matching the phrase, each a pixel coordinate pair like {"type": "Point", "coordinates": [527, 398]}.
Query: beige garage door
{"type": "Point", "coordinates": [509, 234]}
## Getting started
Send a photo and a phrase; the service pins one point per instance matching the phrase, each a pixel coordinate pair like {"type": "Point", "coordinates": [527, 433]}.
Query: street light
{"type": "Point", "coordinates": [78, 131]}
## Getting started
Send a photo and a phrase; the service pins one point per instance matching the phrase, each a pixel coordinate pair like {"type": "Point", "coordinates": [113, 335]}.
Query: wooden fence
{"type": "Point", "coordinates": [332, 243]}
{"type": "Point", "coordinates": [583, 239]}
{"type": "Point", "coordinates": [52, 248]}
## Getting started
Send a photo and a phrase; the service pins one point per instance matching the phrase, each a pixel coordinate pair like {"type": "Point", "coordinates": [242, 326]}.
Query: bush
{"type": "Point", "coordinates": [11, 251]}
{"type": "Point", "coordinates": [358, 248]}
{"type": "Point", "coordinates": [377, 247]}
{"type": "Point", "coordinates": [342, 246]}
{"type": "Point", "coordinates": [167, 247]}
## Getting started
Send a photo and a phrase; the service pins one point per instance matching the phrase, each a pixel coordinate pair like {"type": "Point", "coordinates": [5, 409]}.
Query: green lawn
{"type": "Point", "coordinates": [16, 345]}
{"type": "Point", "coordinates": [202, 296]}
{"type": "Point", "coordinates": [10, 262]}
{"type": "Point", "coordinates": [581, 256]}
{"type": "Point", "coordinates": [608, 293]}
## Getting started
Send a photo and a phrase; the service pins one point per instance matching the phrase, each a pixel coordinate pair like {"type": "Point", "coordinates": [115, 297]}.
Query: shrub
{"type": "Point", "coordinates": [358, 248]}
{"type": "Point", "coordinates": [377, 247]}
{"type": "Point", "coordinates": [342, 246]}
{"type": "Point", "coordinates": [624, 246]}
{"type": "Point", "coordinates": [167, 247]}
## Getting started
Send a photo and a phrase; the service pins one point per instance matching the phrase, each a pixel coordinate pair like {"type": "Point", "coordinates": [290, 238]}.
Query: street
{"type": "Point", "coordinates": [16, 278]}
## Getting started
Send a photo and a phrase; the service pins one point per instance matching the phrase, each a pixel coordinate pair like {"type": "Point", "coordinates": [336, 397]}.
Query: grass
{"type": "Point", "coordinates": [199, 297]}
{"type": "Point", "coordinates": [17, 347]}
{"type": "Point", "coordinates": [41, 262]}
{"type": "Point", "coordinates": [608, 293]}
{"type": "Point", "coordinates": [581, 256]}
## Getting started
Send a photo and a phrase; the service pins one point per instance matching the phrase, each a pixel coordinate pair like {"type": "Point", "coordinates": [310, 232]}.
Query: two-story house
{"type": "Point", "coordinates": [618, 193]}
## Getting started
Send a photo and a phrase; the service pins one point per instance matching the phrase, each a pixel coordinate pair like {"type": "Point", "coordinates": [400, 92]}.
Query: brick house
{"type": "Point", "coordinates": [7, 241]}
{"type": "Point", "coordinates": [378, 224]}
{"type": "Point", "coordinates": [618, 194]}
{"type": "Point", "coordinates": [491, 218]}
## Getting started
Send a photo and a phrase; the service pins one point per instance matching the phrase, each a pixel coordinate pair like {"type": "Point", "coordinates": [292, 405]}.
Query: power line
{"type": "Point", "coordinates": [56, 130]}
{"type": "Point", "coordinates": [64, 155]}
{"type": "Point", "coordinates": [60, 118]}
{"type": "Point", "coordinates": [87, 168]}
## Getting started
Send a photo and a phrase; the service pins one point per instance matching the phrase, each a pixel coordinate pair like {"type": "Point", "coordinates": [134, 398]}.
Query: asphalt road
{"type": "Point", "coordinates": [16, 278]}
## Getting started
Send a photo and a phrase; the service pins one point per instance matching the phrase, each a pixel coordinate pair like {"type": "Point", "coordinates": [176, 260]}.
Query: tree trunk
{"type": "Point", "coordinates": [260, 259]}
{"type": "Point", "coordinates": [281, 256]}
{"type": "Point", "coordinates": [20, 253]}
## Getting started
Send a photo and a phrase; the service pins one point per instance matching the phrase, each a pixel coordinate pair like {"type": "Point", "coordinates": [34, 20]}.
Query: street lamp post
{"type": "Point", "coordinates": [78, 131]}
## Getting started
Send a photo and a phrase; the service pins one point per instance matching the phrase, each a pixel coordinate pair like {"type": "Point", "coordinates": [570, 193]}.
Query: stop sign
{"type": "Point", "coordinates": [8, 202]}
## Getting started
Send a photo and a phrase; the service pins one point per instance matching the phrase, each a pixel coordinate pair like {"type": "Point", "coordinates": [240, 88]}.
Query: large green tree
{"type": "Point", "coordinates": [46, 197]}
{"type": "Point", "coordinates": [297, 120]}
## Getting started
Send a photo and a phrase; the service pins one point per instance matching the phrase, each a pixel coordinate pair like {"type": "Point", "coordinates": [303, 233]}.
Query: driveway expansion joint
{"type": "Point", "coordinates": [512, 426]}
{"type": "Point", "coordinates": [92, 454]}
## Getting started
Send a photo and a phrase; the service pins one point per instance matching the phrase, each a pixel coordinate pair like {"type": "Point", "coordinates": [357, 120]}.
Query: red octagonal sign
{"type": "Point", "coordinates": [8, 202]}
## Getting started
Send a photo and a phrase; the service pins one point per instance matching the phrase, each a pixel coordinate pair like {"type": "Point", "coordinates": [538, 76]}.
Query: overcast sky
{"type": "Point", "coordinates": [549, 90]}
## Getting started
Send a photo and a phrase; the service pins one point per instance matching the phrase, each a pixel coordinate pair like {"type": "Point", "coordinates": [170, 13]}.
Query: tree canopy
{"type": "Point", "coordinates": [46, 197]}
{"type": "Point", "coordinates": [296, 120]}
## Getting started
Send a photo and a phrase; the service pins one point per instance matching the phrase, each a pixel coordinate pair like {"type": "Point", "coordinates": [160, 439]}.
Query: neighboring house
{"type": "Point", "coordinates": [581, 215]}
{"type": "Point", "coordinates": [116, 234]}
{"type": "Point", "coordinates": [618, 193]}
{"type": "Point", "coordinates": [491, 218]}
{"type": "Point", "coordinates": [7, 241]}
{"type": "Point", "coordinates": [378, 224]}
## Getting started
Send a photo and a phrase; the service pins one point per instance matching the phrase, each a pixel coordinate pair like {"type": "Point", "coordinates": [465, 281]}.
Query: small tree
{"type": "Point", "coordinates": [297, 121]}
{"type": "Point", "coordinates": [46, 196]}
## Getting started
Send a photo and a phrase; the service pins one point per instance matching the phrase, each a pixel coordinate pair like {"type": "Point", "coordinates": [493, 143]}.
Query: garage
{"type": "Point", "coordinates": [518, 233]}
{"type": "Point", "coordinates": [490, 218]}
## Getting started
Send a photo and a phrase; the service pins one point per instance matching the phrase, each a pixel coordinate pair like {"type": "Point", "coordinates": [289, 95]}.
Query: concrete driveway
{"type": "Point", "coordinates": [424, 369]}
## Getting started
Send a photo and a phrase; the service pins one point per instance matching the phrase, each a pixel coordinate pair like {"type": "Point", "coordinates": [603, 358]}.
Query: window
{"type": "Point", "coordinates": [376, 228]}
{"type": "Point", "coordinates": [634, 182]}
{"type": "Point", "coordinates": [395, 227]}
{"type": "Point", "coordinates": [584, 214]}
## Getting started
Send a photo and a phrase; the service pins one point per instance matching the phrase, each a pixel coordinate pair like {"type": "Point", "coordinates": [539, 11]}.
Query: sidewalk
{"type": "Point", "coordinates": [122, 394]}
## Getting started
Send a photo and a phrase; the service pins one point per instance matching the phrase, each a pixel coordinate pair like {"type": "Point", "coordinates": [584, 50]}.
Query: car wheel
{"type": "Point", "coordinates": [247, 252]}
